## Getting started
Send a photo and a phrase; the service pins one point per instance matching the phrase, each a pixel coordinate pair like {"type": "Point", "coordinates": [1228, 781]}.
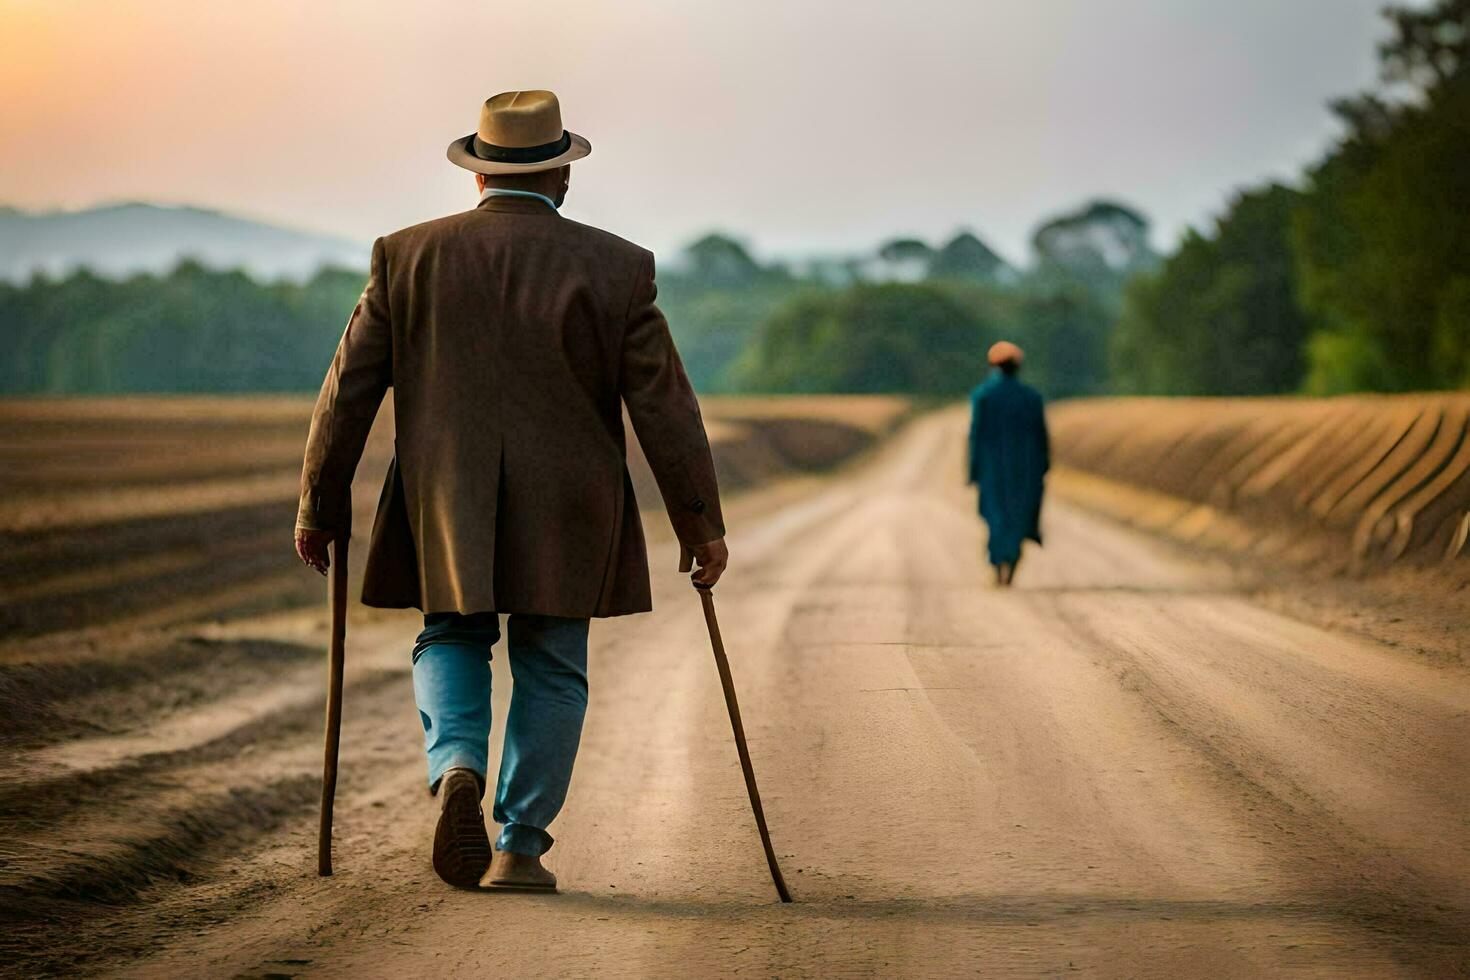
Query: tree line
{"type": "Point", "coordinates": [923, 325]}
{"type": "Point", "coordinates": [1355, 278]}
{"type": "Point", "coordinates": [846, 324]}
{"type": "Point", "coordinates": [1358, 279]}
{"type": "Point", "coordinates": [193, 330]}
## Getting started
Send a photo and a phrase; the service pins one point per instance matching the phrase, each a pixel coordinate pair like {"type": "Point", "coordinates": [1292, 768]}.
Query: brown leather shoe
{"type": "Point", "coordinates": [461, 844]}
{"type": "Point", "coordinates": [519, 873]}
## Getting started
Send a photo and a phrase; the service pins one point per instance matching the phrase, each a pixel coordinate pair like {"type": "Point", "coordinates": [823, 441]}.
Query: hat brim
{"type": "Point", "coordinates": [462, 154]}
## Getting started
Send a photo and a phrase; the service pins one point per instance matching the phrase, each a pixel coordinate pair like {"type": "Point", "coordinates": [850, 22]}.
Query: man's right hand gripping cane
{"type": "Point", "coordinates": [712, 558]}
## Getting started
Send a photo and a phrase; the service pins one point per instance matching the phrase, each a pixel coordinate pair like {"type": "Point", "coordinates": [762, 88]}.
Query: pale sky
{"type": "Point", "coordinates": [799, 126]}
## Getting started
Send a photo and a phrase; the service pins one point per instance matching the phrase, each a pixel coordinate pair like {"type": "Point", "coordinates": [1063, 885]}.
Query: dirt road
{"type": "Point", "coordinates": [1121, 767]}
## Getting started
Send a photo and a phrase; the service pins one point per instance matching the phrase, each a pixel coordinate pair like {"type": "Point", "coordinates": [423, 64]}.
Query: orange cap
{"type": "Point", "coordinates": [1004, 351]}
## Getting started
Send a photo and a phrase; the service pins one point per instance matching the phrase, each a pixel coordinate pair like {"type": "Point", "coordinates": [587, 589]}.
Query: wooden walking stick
{"type": "Point", "coordinates": [336, 655]}
{"type": "Point", "coordinates": [722, 663]}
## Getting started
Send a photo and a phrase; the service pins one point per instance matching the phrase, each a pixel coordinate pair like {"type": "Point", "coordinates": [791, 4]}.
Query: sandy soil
{"type": "Point", "coordinates": [155, 511]}
{"type": "Point", "coordinates": [1356, 483]}
{"type": "Point", "coordinates": [1126, 766]}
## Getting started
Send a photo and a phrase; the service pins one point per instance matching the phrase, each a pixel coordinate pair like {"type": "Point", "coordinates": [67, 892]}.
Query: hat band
{"type": "Point", "coordinates": [521, 154]}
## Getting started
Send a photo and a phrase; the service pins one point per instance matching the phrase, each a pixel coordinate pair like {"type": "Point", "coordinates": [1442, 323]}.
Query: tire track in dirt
{"type": "Point", "coordinates": [160, 711]}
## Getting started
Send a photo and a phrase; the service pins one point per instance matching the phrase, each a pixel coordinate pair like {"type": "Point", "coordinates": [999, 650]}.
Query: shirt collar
{"type": "Point", "coordinates": [490, 192]}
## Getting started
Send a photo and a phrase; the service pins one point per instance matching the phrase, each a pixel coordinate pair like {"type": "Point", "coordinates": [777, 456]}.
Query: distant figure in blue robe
{"type": "Point", "coordinates": [1009, 457]}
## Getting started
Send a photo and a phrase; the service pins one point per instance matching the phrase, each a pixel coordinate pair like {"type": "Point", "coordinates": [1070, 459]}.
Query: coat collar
{"type": "Point", "coordinates": [516, 205]}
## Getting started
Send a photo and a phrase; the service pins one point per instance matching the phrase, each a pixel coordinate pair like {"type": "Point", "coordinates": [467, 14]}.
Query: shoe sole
{"type": "Point", "coordinates": [461, 844]}
{"type": "Point", "coordinates": [510, 886]}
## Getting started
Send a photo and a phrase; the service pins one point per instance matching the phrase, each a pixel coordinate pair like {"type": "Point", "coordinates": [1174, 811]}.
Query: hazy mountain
{"type": "Point", "coordinates": [122, 239]}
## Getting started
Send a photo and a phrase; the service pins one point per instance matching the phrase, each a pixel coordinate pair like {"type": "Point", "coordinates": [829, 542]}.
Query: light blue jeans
{"type": "Point", "coordinates": [451, 683]}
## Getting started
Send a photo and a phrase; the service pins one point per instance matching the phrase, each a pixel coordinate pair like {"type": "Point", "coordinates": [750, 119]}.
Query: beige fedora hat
{"type": "Point", "coordinates": [520, 133]}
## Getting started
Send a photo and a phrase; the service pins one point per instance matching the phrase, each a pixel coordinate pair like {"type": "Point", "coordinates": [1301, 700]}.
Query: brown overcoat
{"type": "Point", "coordinates": [512, 338]}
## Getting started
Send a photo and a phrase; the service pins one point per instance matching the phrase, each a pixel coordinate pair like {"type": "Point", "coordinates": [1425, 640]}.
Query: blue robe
{"type": "Point", "coordinates": [1009, 456]}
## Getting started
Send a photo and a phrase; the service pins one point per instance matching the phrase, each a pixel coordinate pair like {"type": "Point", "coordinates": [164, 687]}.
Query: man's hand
{"type": "Point", "coordinates": [712, 558]}
{"type": "Point", "coordinates": [311, 547]}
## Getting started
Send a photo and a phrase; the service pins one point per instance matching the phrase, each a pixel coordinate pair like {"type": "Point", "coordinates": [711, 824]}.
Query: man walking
{"type": "Point", "coordinates": [1009, 457]}
{"type": "Point", "coordinates": [512, 338]}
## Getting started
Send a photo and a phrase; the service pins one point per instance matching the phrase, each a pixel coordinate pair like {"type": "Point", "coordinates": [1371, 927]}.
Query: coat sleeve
{"type": "Point", "coordinates": [972, 467]}
{"type": "Point", "coordinates": [666, 417]}
{"type": "Point", "coordinates": [1043, 435]}
{"type": "Point", "coordinates": [361, 373]}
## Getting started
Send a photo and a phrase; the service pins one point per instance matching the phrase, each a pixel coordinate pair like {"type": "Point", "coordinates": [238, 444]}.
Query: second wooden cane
{"type": "Point", "coordinates": [722, 663]}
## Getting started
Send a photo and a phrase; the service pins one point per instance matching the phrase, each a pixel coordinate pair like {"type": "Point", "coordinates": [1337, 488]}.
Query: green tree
{"type": "Point", "coordinates": [713, 325]}
{"type": "Point", "coordinates": [1097, 247]}
{"type": "Point", "coordinates": [909, 338]}
{"type": "Point", "coordinates": [194, 330]}
{"type": "Point", "coordinates": [966, 257]}
{"type": "Point", "coordinates": [906, 250]}
{"type": "Point", "coordinates": [1220, 316]}
{"type": "Point", "coordinates": [1382, 236]}
{"type": "Point", "coordinates": [1064, 331]}
{"type": "Point", "coordinates": [715, 296]}
{"type": "Point", "coordinates": [719, 260]}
